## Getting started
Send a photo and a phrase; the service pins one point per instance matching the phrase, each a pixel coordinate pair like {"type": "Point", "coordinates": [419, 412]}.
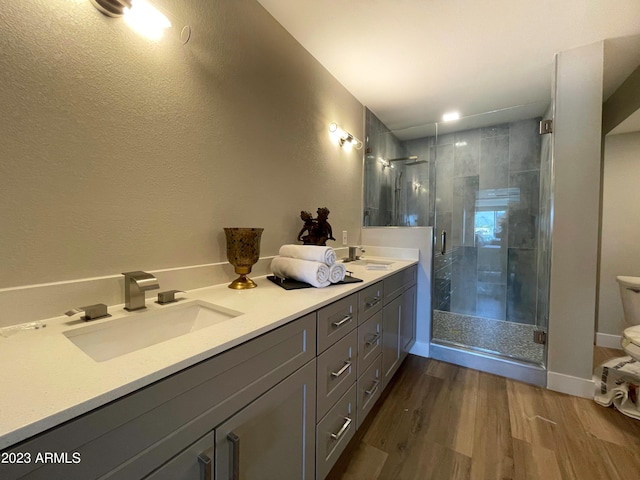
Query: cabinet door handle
{"type": "Point", "coordinates": [342, 370]}
{"type": "Point", "coordinates": [234, 473]}
{"type": "Point", "coordinates": [444, 242]}
{"type": "Point", "coordinates": [374, 302]}
{"type": "Point", "coordinates": [373, 340]}
{"type": "Point", "coordinates": [205, 459]}
{"type": "Point", "coordinates": [344, 428]}
{"type": "Point", "coordinates": [373, 388]}
{"type": "Point", "coordinates": [346, 319]}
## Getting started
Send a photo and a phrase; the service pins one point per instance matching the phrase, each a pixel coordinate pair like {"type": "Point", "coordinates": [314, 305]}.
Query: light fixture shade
{"type": "Point", "coordinates": [344, 137]}
{"type": "Point", "coordinates": [112, 8]}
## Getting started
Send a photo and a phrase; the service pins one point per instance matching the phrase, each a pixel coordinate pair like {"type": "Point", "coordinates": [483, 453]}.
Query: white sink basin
{"type": "Point", "coordinates": [127, 334]}
{"type": "Point", "coordinates": [373, 263]}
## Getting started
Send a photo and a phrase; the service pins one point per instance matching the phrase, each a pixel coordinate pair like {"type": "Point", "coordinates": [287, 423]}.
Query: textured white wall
{"type": "Point", "coordinates": [119, 153]}
{"type": "Point", "coordinates": [619, 251]}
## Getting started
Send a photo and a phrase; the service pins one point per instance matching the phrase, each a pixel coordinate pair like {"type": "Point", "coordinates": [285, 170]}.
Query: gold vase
{"type": "Point", "coordinates": [243, 251]}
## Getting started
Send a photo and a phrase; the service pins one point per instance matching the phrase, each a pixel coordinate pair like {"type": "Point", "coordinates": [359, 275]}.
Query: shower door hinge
{"type": "Point", "coordinates": [540, 336]}
{"type": "Point", "coordinates": [546, 126]}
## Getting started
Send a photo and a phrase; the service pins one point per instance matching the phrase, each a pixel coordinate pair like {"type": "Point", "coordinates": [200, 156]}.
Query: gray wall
{"type": "Point", "coordinates": [574, 251]}
{"type": "Point", "coordinates": [120, 153]}
{"type": "Point", "coordinates": [622, 103]}
{"type": "Point", "coordinates": [619, 251]}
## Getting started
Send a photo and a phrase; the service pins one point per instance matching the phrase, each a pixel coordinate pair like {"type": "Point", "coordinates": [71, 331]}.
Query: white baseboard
{"type": "Point", "coordinates": [421, 349]}
{"type": "Point", "coordinates": [579, 387]}
{"type": "Point", "coordinates": [608, 341]}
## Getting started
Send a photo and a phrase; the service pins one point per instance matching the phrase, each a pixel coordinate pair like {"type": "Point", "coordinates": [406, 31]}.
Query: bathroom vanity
{"type": "Point", "coordinates": [278, 399]}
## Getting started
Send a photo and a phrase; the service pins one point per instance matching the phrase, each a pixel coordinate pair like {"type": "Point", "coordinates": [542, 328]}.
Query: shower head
{"type": "Point", "coordinates": [402, 159]}
{"type": "Point", "coordinates": [413, 158]}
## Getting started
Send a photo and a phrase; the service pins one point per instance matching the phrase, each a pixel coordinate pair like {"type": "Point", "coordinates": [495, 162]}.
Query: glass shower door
{"type": "Point", "coordinates": [487, 186]}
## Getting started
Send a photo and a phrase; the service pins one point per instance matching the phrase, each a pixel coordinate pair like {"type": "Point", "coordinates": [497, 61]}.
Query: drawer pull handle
{"type": "Point", "coordinates": [373, 389]}
{"type": "Point", "coordinates": [346, 319]}
{"type": "Point", "coordinates": [205, 459]}
{"type": "Point", "coordinates": [373, 340]}
{"type": "Point", "coordinates": [234, 474]}
{"type": "Point", "coordinates": [344, 428]}
{"type": "Point", "coordinates": [374, 302]}
{"type": "Point", "coordinates": [342, 370]}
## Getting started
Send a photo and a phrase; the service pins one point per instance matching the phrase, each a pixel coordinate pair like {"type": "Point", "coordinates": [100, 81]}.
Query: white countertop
{"type": "Point", "coordinates": [48, 380]}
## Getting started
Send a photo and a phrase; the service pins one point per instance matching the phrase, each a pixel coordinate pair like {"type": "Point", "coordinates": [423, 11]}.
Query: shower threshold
{"type": "Point", "coordinates": [488, 362]}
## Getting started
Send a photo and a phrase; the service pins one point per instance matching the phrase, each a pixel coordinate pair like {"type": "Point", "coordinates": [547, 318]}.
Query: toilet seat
{"type": "Point", "coordinates": [631, 341]}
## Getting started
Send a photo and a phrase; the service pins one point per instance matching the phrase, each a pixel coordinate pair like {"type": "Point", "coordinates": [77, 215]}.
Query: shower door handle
{"type": "Point", "coordinates": [443, 237]}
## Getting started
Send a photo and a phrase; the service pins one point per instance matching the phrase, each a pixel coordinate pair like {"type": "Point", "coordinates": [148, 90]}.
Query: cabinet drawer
{"type": "Point", "coordinates": [369, 301]}
{"type": "Point", "coordinates": [369, 389]}
{"type": "Point", "coordinates": [391, 339]}
{"type": "Point", "coordinates": [369, 341]}
{"type": "Point", "coordinates": [336, 372]}
{"type": "Point", "coordinates": [336, 320]}
{"type": "Point", "coordinates": [334, 433]}
{"type": "Point", "coordinates": [396, 283]}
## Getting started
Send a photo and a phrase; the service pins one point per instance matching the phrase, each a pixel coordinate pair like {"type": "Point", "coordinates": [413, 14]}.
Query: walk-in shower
{"type": "Point", "coordinates": [484, 185]}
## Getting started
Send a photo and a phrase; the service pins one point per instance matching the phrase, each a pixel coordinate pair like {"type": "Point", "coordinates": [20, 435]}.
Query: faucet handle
{"type": "Point", "coordinates": [168, 297]}
{"type": "Point", "coordinates": [91, 312]}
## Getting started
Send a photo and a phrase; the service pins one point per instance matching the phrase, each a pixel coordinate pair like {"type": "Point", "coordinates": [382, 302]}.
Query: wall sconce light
{"type": "Point", "coordinates": [141, 16]}
{"type": "Point", "coordinates": [344, 137]}
{"type": "Point", "coordinates": [112, 8]}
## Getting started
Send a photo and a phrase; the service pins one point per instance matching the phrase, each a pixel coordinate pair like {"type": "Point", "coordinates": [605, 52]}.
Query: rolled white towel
{"type": "Point", "coordinates": [313, 273]}
{"type": "Point", "coordinates": [309, 252]}
{"type": "Point", "coordinates": [337, 272]}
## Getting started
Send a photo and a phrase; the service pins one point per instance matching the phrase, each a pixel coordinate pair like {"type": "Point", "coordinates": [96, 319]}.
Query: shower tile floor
{"type": "Point", "coordinates": [514, 340]}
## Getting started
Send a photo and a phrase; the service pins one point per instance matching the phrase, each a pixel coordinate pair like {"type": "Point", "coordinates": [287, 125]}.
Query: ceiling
{"type": "Point", "coordinates": [410, 61]}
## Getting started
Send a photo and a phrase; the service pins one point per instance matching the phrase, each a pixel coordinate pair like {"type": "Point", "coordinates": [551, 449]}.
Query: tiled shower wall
{"type": "Point", "coordinates": [487, 291]}
{"type": "Point", "coordinates": [379, 183]}
{"type": "Point", "coordinates": [399, 196]}
{"type": "Point", "coordinates": [497, 165]}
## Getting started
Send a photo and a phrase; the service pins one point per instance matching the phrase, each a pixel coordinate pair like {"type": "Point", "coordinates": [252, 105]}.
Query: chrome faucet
{"type": "Point", "coordinates": [135, 284]}
{"type": "Point", "coordinates": [353, 254]}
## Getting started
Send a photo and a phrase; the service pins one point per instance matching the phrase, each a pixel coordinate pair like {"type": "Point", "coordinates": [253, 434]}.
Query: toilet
{"type": "Point", "coordinates": [630, 295]}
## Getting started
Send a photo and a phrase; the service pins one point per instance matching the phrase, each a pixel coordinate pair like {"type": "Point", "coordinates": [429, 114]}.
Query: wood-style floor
{"type": "Point", "coordinates": [440, 422]}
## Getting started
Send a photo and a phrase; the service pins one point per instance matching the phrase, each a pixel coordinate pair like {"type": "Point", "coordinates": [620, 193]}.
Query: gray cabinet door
{"type": "Point", "coordinates": [273, 437]}
{"type": "Point", "coordinates": [391, 339]}
{"type": "Point", "coordinates": [408, 320]}
{"type": "Point", "coordinates": [194, 463]}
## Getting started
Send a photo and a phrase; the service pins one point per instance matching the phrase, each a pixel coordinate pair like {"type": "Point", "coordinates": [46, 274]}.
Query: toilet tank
{"type": "Point", "coordinates": [630, 295]}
